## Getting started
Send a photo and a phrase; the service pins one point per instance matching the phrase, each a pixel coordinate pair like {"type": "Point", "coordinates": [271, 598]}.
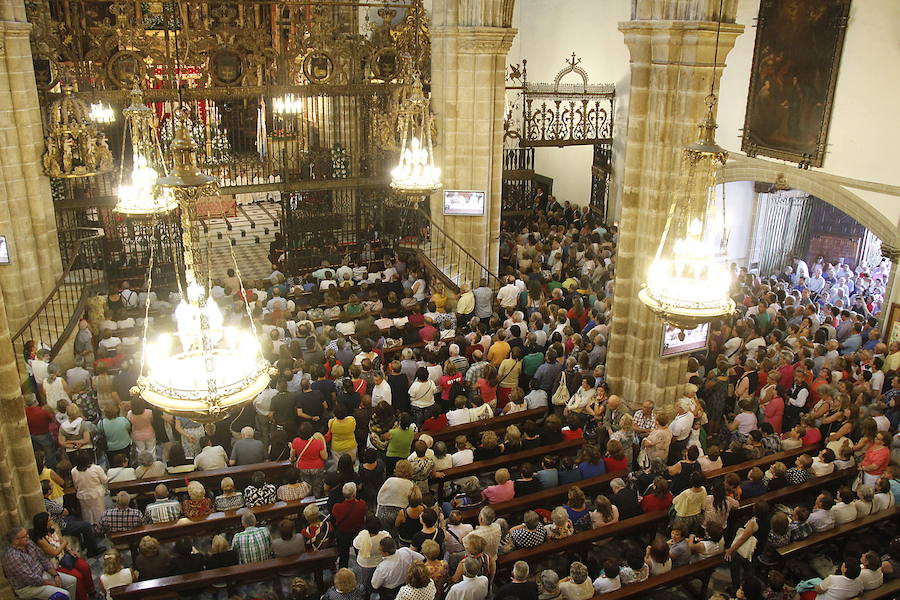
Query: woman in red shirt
{"type": "Point", "coordinates": [310, 452]}
{"type": "Point", "coordinates": [450, 376]}
{"type": "Point", "coordinates": [876, 458]}
{"type": "Point", "coordinates": [658, 497]}
{"type": "Point", "coordinates": [615, 457]}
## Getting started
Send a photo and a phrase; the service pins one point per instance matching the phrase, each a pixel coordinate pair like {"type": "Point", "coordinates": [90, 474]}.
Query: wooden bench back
{"type": "Point", "coordinates": [210, 479]}
{"type": "Point", "coordinates": [494, 424]}
{"type": "Point", "coordinates": [700, 569]}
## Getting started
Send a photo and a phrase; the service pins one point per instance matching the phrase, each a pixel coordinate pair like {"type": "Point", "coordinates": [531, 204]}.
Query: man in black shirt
{"type": "Point", "coordinates": [625, 498]}
{"type": "Point", "coordinates": [519, 587]}
{"type": "Point", "coordinates": [310, 405]}
{"type": "Point", "coordinates": [284, 409]}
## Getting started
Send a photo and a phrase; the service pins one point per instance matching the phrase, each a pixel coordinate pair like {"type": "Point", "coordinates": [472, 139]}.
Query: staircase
{"type": "Point", "coordinates": [445, 257]}
{"type": "Point", "coordinates": [57, 316]}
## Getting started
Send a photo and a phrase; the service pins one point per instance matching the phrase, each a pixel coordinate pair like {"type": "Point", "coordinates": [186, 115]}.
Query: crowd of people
{"type": "Point", "coordinates": [373, 364]}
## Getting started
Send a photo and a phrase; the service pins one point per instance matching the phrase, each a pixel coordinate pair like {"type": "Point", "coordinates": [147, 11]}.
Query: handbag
{"type": "Point", "coordinates": [746, 549]}
{"type": "Point", "coordinates": [67, 561]}
{"type": "Point", "coordinates": [561, 395]}
{"type": "Point", "coordinates": [99, 440]}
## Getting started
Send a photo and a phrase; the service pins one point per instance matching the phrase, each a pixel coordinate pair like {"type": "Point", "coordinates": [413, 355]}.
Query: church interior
{"type": "Point", "coordinates": [462, 299]}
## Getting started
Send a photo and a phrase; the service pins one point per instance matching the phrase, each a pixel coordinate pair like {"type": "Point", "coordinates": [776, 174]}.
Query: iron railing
{"type": "Point", "coordinates": [449, 260]}
{"type": "Point", "coordinates": [53, 321]}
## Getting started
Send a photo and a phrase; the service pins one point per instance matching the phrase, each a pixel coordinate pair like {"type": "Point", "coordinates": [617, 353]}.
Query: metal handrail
{"type": "Point", "coordinates": [80, 245]}
{"type": "Point", "coordinates": [458, 246]}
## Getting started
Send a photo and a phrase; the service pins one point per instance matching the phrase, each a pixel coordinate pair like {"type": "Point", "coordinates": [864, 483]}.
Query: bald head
{"type": "Point", "coordinates": [123, 499]}
{"type": "Point", "coordinates": [161, 491]}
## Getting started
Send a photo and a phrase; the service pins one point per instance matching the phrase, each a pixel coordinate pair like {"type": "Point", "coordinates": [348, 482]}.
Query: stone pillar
{"type": "Point", "coordinates": [672, 45]}
{"type": "Point", "coordinates": [26, 209]}
{"type": "Point", "coordinates": [20, 490]}
{"type": "Point", "coordinates": [469, 43]}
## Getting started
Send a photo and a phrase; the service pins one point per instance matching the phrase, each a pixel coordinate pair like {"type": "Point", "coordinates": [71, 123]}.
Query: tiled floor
{"type": "Point", "coordinates": [251, 249]}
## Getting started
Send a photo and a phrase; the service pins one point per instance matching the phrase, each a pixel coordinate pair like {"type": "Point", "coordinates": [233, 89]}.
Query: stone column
{"type": "Point", "coordinates": [20, 490]}
{"type": "Point", "coordinates": [26, 209]}
{"type": "Point", "coordinates": [672, 45]}
{"type": "Point", "coordinates": [469, 43]}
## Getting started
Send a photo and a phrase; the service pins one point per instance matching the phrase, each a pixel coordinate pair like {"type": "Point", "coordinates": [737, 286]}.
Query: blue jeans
{"type": "Point", "coordinates": [45, 442]}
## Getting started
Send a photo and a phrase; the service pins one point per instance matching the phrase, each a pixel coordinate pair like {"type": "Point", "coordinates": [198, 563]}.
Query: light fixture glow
{"type": "Point", "coordinates": [415, 173]}
{"type": "Point", "coordinates": [289, 104]}
{"type": "Point", "coordinates": [102, 113]}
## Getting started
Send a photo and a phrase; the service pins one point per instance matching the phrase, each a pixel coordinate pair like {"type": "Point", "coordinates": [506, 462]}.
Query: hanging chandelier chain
{"type": "Point", "coordinates": [712, 83]}
{"type": "Point", "coordinates": [149, 290]}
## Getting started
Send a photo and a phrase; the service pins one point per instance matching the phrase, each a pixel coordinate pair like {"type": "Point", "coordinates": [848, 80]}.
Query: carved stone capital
{"type": "Point", "coordinates": [890, 252]}
{"type": "Point", "coordinates": [478, 40]}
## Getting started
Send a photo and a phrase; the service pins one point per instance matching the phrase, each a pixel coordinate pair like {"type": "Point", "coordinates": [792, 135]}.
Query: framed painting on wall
{"type": "Point", "coordinates": [892, 325]}
{"type": "Point", "coordinates": [793, 78]}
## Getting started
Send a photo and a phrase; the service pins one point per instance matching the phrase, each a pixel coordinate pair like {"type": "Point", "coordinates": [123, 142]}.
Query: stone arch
{"type": "Point", "coordinates": [809, 181]}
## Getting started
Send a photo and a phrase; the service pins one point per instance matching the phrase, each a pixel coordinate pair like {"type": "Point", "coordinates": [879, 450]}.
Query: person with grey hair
{"type": "Point", "coordinates": [29, 571]}
{"type": "Point", "coordinates": [349, 518]}
{"type": "Point", "coordinates": [253, 544]}
{"type": "Point", "coordinates": [489, 530]}
{"type": "Point", "coordinates": [247, 450]}
{"type": "Point", "coordinates": [578, 585]}
{"type": "Point", "coordinates": [148, 467]}
{"type": "Point", "coordinates": [78, 378]}
{"type": "Point", "coordinates": [473, 585]}
{"type": "Point", "coordinates": [121, 516]}
{"type": "Point", "coordinates": [460, 362]}
{"type": "Point", "coordinates": [164, 508]}
{"type": "Point", "coordinates": [55, 387]}
{"type": "Point", "coordinates": [549, 585]}
{"type": "Point", "coordinates": [530, 533]}
{"type": "Point", "coordinates": [519, 586]}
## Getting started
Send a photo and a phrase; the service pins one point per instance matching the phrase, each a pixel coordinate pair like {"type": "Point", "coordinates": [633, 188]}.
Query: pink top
{"type": "Point", "coordinates": [142, 426]}
{"type": "Point", "coordinates": [875, 456]}
{"type": "Point", "coordinates": [774, 411]}
{"type": "Point", "coordinates": [499, 493]}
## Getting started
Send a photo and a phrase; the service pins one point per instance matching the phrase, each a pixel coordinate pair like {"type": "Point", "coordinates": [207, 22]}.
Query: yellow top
{"type": "Point", "coordinates": [56, 490]}
{"type": "Point", "coordinates": [343, 434]}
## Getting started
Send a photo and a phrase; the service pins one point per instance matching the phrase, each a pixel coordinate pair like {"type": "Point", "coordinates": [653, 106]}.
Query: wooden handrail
{"type": "Point", "coordinates": [98, 233]}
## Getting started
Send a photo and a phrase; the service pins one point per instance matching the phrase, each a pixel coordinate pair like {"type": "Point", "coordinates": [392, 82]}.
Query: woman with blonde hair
{"type": "Point", "coordinates": [345, 587]}
{"type": "Point", "coordinates": [221, 554]}
{"type": "Point", "coordinates": [577, 586]}
{"type": "Point", "coordinates": [438, 569]}
{"type": "Point", "coordinates": [114, 574]}
{"type": "Point", "coordinates": [317, 531]}
{"type": "Point", "coordinates": [196, 505]}
{"type": "Point", "coordinates": [151, 561]}
{"type": "Point", "coordinates": [512, 439]}
{"type": "Point", "coordinates": [475, 549]}
{"type": "Point", "coordinates": [560, 526]}
{"type": "Point", "coordinates": [229, 498]}
{"type": "Point", "coordinates": [627, 437]}
{"type": "Point", "coordinates": [393, 496]}
{"type": "Point", "coordinates": [75, 432]}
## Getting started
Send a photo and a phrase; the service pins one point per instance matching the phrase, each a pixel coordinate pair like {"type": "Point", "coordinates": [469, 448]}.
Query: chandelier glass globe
{"type": "Point", "coordinates": [415, 173]}
{"type": "Point", "coordinates": [141, 197]}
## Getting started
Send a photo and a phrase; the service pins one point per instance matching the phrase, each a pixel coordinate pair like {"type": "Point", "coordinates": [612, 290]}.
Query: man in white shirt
{"type": "Point", "coordinates": [680, 427]}
{"type": "Point", "coordinates": [129, 296]}
{"type": "Point", "coordinates": [816, 283]}
{"type": "Point", "coordinates": [841, 587]}
{"type": "Point", "coordinates": [381, 391]}
{"type": "Point", "coordinates": [508, 295]}
{"type": "Point", "coordinates": [210, 457]}
{"type": "Point", "coordinates": [276, 302]}
{"type": "Point", "coordinates": [390, 574]}
{"type": "Point", "coordinates": [263, 405]}
{"type": "Point", "coordinates": [472, 586]}
{"type": "Point", "coordinates": [459, 415]}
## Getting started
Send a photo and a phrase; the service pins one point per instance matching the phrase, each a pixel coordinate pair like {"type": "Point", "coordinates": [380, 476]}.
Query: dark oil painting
{"type": "Point", "coordinates": [792, 82]}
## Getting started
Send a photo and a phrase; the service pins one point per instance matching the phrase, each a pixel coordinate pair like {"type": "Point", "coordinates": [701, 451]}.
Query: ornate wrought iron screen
{"type": "Point", "coordinates": [560, 114]}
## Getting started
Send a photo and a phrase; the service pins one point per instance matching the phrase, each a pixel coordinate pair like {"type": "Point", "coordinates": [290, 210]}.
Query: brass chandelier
{"type": "Point", "coordinates": [415, 174]}
{"type": "Point", "coordinates": [217, 368]}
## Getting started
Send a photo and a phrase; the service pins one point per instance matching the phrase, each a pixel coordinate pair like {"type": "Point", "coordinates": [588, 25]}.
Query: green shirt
{"type": "Point", "coordinates": [401, 442]}
{"type": "Point", "coordinates": [531, 362]}
{"type": "Point", "coordinates": [117, 432]}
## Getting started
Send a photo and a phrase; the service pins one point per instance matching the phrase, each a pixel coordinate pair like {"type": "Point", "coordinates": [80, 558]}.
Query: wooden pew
{"type": "Point", "coordinates": [840, 532]}
{"type": "Point", "coordinates": [542, 499]}
{"type": "Point", "coordinates": [891, 589]}
{"type": "Point", "coordinates": [492, 424]}
{"type": "Point", "coordinates": [583, 538]}
{"type": "Point", "coordinates": [167, 587]}
{"type": "Point", "coordinates": [210, 479]}
{"type": "Point", "coordinates": [814, 484]}
{"type": "Point", "coordinates": [701, 570]}
{"type": "Point", "coordinates": [212, 523]}
{"type": "Point", "coordinates": [505, 460]}
{"type": "Point", "coordinates": [786, 456]}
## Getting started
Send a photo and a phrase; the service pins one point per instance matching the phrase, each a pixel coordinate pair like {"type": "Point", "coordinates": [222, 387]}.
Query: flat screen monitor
{"type": "Point", "coordinates": [4, 251]}
{"type": "Point", "coordinates": [466, 203]}
{"type": "Point", "coordinates": [681, 341]}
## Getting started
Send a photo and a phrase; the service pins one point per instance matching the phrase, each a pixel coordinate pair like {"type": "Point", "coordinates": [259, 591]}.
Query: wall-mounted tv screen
{"type": "Point", "coordinates": [465, 203]}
